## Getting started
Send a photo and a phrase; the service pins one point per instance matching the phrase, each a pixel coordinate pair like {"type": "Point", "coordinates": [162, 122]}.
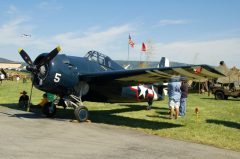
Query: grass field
{"type": "Point", "coordinates": [218, 123]}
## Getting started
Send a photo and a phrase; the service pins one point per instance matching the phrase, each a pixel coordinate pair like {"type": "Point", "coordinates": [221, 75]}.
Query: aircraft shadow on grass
{"type": "Point", "coordinates": [109, 117]}
{"type": "Point", "coordinates": [161, 113]}
{"type": "Point", "coordinates": [225, 123]}
{"type": "Point", "coordinates": [102, 116]}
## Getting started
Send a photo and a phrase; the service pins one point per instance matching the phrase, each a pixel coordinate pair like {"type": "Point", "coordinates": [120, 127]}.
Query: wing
{"type": "Point", "coordinates": [152, 75]}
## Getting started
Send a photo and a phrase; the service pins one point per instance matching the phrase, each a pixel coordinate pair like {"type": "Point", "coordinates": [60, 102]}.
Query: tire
{"type": "Point", "coordinates": [81, 113]}
{"type": "Point", "coordinates": [49, 112]}
{"type": "Point", "coordinates": [219, 95]}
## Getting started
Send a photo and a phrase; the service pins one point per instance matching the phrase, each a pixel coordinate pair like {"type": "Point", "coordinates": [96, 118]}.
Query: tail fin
{"type": "Point", "coordinates": [164, 62]}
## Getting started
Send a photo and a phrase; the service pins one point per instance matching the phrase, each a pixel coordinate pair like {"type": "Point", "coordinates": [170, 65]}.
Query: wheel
{"type": "Point", "coordinates": [219, 95]}
{"type": "Point", "coordinates": [49, 110]}
{"type": "Point", "coordinates": [226, 97]}
{"type": "Point", "coordinates": [81, 113]}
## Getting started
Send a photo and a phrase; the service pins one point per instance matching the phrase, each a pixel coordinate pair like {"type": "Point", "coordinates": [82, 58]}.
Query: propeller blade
{"type": "Point", "coordinates": [49, 57]}
{"type": "Point", "coordinates": [25, 56]}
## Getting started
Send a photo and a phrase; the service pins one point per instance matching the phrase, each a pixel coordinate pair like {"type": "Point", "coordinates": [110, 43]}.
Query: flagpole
{"type": "Point", "coordinates": [128, 53]}
{"type": "Point", "coordinates": [130, 42]}
{"type": "Point", "coordinates": [143, 50]}
{"type": "Point", "coordinates": [140, 59]}
{"type": "Point", "coordinates": [140, 56]}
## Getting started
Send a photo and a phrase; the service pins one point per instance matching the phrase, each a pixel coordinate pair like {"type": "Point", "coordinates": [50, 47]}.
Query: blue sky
{"type": "Point", "coordinates": [198, 32]}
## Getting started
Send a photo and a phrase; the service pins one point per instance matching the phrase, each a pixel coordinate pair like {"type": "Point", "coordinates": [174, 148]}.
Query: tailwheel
{"type": "Point", "coordinates": [81, 113]}
{"type": "Point", "coordinates": [49, 109]}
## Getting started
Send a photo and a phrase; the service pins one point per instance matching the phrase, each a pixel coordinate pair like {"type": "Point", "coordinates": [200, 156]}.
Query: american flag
{"type": "Point", "coordinates": [130, 42]}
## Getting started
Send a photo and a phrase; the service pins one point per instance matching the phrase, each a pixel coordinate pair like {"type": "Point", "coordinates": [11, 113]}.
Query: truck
{"type": "Point", "coordinates": [222, 91]}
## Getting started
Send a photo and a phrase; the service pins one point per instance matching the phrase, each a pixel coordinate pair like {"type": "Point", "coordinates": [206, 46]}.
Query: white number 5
{"type": "Point", "coordinates": [57, 77]}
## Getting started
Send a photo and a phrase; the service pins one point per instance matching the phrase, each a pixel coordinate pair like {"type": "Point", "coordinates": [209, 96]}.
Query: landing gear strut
{"type": "Point", "coordinates": [80, 111]}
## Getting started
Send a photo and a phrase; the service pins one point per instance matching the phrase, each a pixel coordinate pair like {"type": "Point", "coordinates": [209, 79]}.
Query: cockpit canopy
{"type": "Point", "coordinates": [102, 60]}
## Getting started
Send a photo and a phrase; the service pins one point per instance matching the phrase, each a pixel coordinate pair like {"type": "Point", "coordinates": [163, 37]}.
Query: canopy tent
{"type": "Point", "coordinates": [232, 75]}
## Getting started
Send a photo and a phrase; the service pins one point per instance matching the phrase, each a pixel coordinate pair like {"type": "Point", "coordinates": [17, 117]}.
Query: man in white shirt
{"type": "Point", "coordinates": [2, 77]}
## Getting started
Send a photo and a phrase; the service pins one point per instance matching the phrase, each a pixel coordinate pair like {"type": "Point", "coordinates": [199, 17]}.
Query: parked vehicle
{"type": "Point", "coordinates": [225, 90]}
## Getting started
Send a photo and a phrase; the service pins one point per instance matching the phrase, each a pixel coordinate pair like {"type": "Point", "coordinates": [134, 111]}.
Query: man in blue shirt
{"type": "Point", "coordinates": [174, 94]}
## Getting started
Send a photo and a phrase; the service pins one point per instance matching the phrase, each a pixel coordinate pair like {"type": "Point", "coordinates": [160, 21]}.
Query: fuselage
{"type": "Point", "coordinates": [61, 77]}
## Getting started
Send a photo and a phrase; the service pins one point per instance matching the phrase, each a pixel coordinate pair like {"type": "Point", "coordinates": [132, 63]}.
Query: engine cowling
{"type": "Point", "coordinates": [59, 76]}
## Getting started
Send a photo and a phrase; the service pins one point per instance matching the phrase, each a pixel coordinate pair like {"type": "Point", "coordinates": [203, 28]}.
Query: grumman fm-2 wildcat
{"type": "Point", "coordinates": [97, 78]}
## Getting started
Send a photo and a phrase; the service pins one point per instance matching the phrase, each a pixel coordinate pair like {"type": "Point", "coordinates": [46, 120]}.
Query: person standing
{"type": "Point", "coordinates": [1, 77]}
{"type": "Point", "coordinates": [17, 77]}
{"type": "Point", "coordinates": [183, 100]}
{"type": "Point", "coordinates": [174, 93]}
{"type": "Point", "coordinates": [210, 86]}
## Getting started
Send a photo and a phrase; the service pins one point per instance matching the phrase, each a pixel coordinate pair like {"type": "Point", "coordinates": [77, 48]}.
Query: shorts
{"type": "Point", "coordinates": [174, 104]}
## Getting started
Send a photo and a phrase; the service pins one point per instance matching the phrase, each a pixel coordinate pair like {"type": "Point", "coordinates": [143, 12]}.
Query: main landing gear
{"type": "Point", "coordinates": [80, 111]}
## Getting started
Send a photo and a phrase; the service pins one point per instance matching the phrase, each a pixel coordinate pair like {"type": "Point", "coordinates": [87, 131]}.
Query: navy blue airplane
{"type": "Point", "coordinates": [97, 78]}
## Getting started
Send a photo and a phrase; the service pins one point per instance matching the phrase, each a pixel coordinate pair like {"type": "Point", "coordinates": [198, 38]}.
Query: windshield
{"type": "Point", "coordinates": [103, 60]}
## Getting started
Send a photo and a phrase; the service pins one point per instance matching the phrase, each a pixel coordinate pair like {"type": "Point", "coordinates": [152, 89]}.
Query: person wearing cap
{"type": "Point", "coordinates": [23, 100]}
{"type": "Point", "coordinates": [183, 100]}
{"type": "Point", "coordinates": [174, 94]}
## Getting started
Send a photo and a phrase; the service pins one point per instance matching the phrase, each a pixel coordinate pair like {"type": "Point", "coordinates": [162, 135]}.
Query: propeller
{"type": "Point", "coordinates": [49, 57]}
{"type": "Point", "coordinates": [35, 69]}
{"type": "Point", "coordinates": [25, 56]}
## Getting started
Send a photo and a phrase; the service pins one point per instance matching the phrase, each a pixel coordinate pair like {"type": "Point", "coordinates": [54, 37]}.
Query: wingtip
{"type": "Point", "coordinates": [19, 50]}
